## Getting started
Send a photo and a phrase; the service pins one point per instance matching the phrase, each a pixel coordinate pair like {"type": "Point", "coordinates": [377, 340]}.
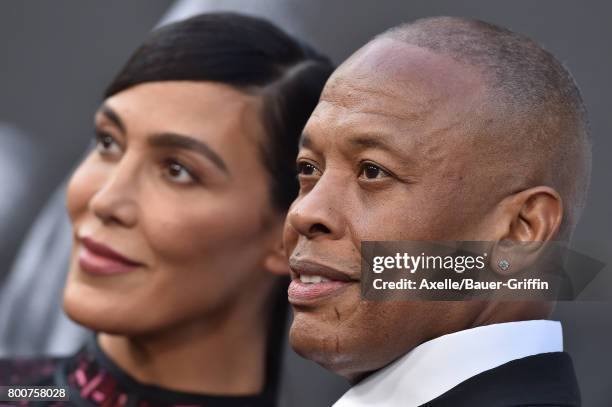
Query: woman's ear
{"type": "Point", "coordinates": [531, 218]}
{"type": "Point", "coordinates": [276, 261]}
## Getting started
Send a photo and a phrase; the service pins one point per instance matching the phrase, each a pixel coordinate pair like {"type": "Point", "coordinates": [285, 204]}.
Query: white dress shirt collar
{"type": "Point", "coordinates": [436, 366]}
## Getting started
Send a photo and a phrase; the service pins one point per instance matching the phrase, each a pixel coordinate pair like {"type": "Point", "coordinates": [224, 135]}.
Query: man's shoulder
{"type": "Point", "coordinates": [546, 379]}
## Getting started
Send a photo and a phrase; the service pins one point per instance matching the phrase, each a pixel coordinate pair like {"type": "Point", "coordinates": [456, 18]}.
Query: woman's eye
{"type": "Point", "coordinates": [371, 171]}
{"type": "Point", "coordinates": [176, 172]}
{"type": "Point", "coordinates": [106, 144]}
{"type": "Point", "coordinates": [307, 169]}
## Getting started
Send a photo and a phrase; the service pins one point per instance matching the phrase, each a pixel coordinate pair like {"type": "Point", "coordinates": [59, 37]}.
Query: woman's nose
{"type": "Point", "coordinates": [115, 202]}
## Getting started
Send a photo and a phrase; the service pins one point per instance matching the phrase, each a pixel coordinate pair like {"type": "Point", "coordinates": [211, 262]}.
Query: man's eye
{"type": "Point", "coordinates": [176, 172]}
{"type": "Point", "coordinates": [307, 169]}
{"type": "Point", "coordinates": [371, 171]}
{"type": "Point", "coordinates": [106, 144]}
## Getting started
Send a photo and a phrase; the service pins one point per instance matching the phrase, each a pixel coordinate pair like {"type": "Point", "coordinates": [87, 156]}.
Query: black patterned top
{"type": "Point", "coordinates": [94, 380]}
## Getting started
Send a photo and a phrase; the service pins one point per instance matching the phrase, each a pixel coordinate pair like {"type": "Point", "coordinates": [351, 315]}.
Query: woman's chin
{"type": "Point", "coordinates": [100, 313]}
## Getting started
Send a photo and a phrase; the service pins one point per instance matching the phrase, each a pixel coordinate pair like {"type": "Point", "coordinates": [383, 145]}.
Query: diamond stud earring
{"type": "Point", "coordinates": [504, 265]}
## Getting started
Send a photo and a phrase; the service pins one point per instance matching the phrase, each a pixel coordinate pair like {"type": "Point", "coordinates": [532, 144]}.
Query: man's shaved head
{"type": "Point", "coordinates": [535, 105]}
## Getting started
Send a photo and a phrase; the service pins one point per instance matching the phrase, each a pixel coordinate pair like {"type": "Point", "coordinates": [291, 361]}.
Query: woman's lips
{"type": "Point", "coordinates": [96, 258]}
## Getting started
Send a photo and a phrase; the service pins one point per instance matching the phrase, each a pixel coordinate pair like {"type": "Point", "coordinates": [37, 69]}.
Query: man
{"type": "Point", "coordinates": [443, 129]}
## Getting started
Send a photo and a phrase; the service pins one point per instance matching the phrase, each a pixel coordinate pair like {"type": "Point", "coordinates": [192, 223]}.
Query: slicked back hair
{"type": "Point", "coordinates": [249, 54]}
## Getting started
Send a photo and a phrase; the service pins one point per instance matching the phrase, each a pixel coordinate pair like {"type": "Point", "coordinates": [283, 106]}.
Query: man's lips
{"type": "Point", "coordinates": [312, 281]}
{"type": "Point", "coordinates": [97, 258]}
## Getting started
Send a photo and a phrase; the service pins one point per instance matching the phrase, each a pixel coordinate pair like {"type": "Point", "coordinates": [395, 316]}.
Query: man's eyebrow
{"type": "Point", "coordinates": [365, 142]}
{"type": "Point", "coordinates": [361, 142]}
{"type": "Point", "coordinates": [113, 117]}
{"type": "Point", "coordinates": [305, 141]}
{"type": "Point", "coordinates": [370, 141]}
{"type": "Point", "coordinates": [173, 140]}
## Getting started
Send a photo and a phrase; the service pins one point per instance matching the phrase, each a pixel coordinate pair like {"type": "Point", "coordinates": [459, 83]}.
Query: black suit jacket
{"type": "Point", "coordinates": [542, 380]}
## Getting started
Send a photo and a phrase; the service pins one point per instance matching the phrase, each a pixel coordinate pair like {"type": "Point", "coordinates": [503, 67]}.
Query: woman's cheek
{"type": "Point", "coordinates": [83, 185]}
{"type": "Point", "coordinates": [196, 229]}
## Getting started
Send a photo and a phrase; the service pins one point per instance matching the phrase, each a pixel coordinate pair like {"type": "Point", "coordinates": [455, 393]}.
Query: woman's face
{"type": "Point", "coordinates": [171, 212]}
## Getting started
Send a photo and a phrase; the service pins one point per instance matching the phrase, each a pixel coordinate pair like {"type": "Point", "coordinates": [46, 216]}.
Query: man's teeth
{"type": "Point", "coordinates": [312, 279]}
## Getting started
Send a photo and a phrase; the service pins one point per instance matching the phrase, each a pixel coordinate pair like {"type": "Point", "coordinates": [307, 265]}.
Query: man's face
{"type": "Point", "coordinates": [388, 154]}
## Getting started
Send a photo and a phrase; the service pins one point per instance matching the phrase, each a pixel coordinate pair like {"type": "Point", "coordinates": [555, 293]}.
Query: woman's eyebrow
{"type": "Point", "coordinates": [113, 117]}
{"type": "Point", "coordinates": [173, 140]}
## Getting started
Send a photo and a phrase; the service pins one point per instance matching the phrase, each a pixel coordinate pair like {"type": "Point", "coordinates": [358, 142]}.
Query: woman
{"type": "Point", "coordinates": [177, 215]}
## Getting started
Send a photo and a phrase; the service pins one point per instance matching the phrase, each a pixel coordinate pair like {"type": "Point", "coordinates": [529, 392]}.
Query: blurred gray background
{"type": "Point", "coordinates": [56, 58]}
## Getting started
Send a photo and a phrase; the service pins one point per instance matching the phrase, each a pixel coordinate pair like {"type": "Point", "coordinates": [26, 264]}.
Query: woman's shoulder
{"type": "Point", "coordinates": [35, 371]}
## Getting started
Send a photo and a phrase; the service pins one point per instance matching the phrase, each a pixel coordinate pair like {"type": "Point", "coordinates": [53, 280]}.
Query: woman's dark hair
{"type": "Point", "coordinates": [250, 54]}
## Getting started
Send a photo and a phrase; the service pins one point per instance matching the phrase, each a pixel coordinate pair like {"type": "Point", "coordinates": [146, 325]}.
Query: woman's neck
{"type": "Point", "coordinates": [227, 359]}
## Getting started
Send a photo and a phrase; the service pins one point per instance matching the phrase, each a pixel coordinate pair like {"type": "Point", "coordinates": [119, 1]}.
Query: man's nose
{"type": "Point", "coordinates": [116, 200]}
{"type": "Point", "coordinates": [319, 212]}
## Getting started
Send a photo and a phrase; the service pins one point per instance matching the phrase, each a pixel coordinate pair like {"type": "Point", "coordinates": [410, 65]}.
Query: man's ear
{"type": "Point", "coordinates": [530, 219]}
{"type": "Point", "coordinates": [276, 261]}
{"type": "Point", "coordinates": [538, 215]}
